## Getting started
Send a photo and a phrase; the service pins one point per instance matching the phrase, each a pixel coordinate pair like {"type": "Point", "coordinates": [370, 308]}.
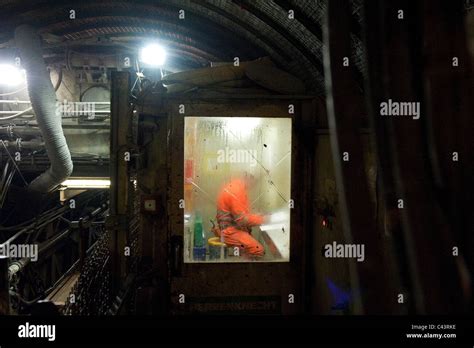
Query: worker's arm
{"type": "Point", "coordinates": [249, 219]}
{"type": "Point", "coordinates": [242, 216]}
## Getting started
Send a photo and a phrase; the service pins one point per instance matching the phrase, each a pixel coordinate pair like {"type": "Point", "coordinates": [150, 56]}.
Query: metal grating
{"type": "Point", "coordinates": [91, 295]}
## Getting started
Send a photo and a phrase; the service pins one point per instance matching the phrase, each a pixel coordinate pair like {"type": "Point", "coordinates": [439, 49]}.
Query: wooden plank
{"type": "Point", "coordinates": [345, 114]}
{"type": "Point", "coordinates": [224, 107]}
{"type": "Point", "coordinates": [449, 101]}
{"type": "Point", "coordinates": [405, 153]}
{"type": "Point", "coordinates": [275, 79]}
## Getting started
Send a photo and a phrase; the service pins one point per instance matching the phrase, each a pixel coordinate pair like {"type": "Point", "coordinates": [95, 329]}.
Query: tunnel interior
{"type": "Point", "coordinates": [280, 157]}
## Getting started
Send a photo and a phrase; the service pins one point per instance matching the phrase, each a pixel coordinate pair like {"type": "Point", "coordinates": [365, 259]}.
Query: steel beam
{"type": "Point", "coordinates": [119, 186]}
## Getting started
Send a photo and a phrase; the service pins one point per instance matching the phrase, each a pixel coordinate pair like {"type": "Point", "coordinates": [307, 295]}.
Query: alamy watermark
{"type": "Point", "coordinates": [29, 251]}
{"type": "Point", "coordinates": [394, 108]}
{"type": "Point", "coordinates": [336, 250]}
{"type": "Point", "coordinates": [37, 331]}
{"type": "Point", "coordinates": [229, 155]}
{"type": "Point", "coordinates": [74, 109]}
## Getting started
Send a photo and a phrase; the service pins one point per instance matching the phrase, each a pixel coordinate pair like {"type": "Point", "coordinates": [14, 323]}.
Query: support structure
{"type": "Point", "coordinates": [119, 158]}
{"type": "Point", "coordinates": [4, 287]}
{"type": "Point", "coordinates": [400, 62]}
{"type": "Point", "coordinates": [346, 112]}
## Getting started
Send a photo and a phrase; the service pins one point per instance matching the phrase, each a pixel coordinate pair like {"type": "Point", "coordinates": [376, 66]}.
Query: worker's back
{"type": "Point", "coordinates": [233, 196]}
{"type": "Point", "coordinates": [234, 218]}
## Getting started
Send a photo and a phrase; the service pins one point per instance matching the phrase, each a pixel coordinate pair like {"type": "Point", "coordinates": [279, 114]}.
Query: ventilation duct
{"type": "Point", "coordinates": [43, 101]}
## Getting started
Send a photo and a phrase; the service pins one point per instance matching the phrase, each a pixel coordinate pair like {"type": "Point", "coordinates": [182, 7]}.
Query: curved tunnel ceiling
{"type": "Point", "coordinates": [212, 30]}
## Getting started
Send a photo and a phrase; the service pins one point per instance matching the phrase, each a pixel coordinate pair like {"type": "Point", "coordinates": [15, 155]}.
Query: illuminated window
{"type": "Point", "coordinates": [237, 184]}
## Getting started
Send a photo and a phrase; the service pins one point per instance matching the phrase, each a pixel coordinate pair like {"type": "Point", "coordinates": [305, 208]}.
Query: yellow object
{"type": "Point", "coordinates": [215, 241]}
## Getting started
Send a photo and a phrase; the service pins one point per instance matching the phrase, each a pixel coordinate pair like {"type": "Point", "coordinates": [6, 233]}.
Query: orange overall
{"type": "Point", "coordinates": [235, 220]}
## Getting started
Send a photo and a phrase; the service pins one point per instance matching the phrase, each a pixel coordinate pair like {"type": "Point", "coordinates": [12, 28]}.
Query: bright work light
{"type": "Point", "coordinates": [153, 54]}
{"type": "Point", "coordinates": [86, 183]}
{"type": "Point", "coordinates": [10, 75]}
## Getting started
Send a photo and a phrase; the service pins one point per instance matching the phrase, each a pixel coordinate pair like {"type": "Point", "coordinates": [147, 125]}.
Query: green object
{"type": "Point", "coordinates": [198, 235]}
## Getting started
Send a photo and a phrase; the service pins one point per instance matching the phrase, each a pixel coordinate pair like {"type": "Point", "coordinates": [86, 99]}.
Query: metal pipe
{"type": "Point", "coordinates": [18, 265]}
{"type": "Point", "coordinates": [14, 101]}
{"type": "Point", "coordinates": [9, 112]}
{"type": "Point", "coordinates": [24, 144]}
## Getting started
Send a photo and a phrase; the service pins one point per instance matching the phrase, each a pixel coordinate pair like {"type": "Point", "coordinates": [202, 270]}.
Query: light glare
{"type": "Point", "coordinates": [153, 54]}
{"type": "Point", "coordinates": [242, 126]}
{"type": "Point", "coordinates": [10, 75]}
{"type": "Point", "coordinates": [86, 183]}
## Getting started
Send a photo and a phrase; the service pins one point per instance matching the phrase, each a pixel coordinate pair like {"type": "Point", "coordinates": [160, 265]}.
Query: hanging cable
{"type": "Point", "coordinates": [11, 93]}
{"type": "Point", "coordinates": [14, 163]}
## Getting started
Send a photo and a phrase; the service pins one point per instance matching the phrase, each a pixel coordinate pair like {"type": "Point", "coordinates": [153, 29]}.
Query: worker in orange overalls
{"type": "Point", "coordinates": [234, 218]}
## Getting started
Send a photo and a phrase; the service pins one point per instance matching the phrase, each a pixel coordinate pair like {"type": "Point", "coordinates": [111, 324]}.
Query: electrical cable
{"type": "Point", "coordinates": [11, 93]}
{"type": "Point", "coordinates": [14, 163]}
